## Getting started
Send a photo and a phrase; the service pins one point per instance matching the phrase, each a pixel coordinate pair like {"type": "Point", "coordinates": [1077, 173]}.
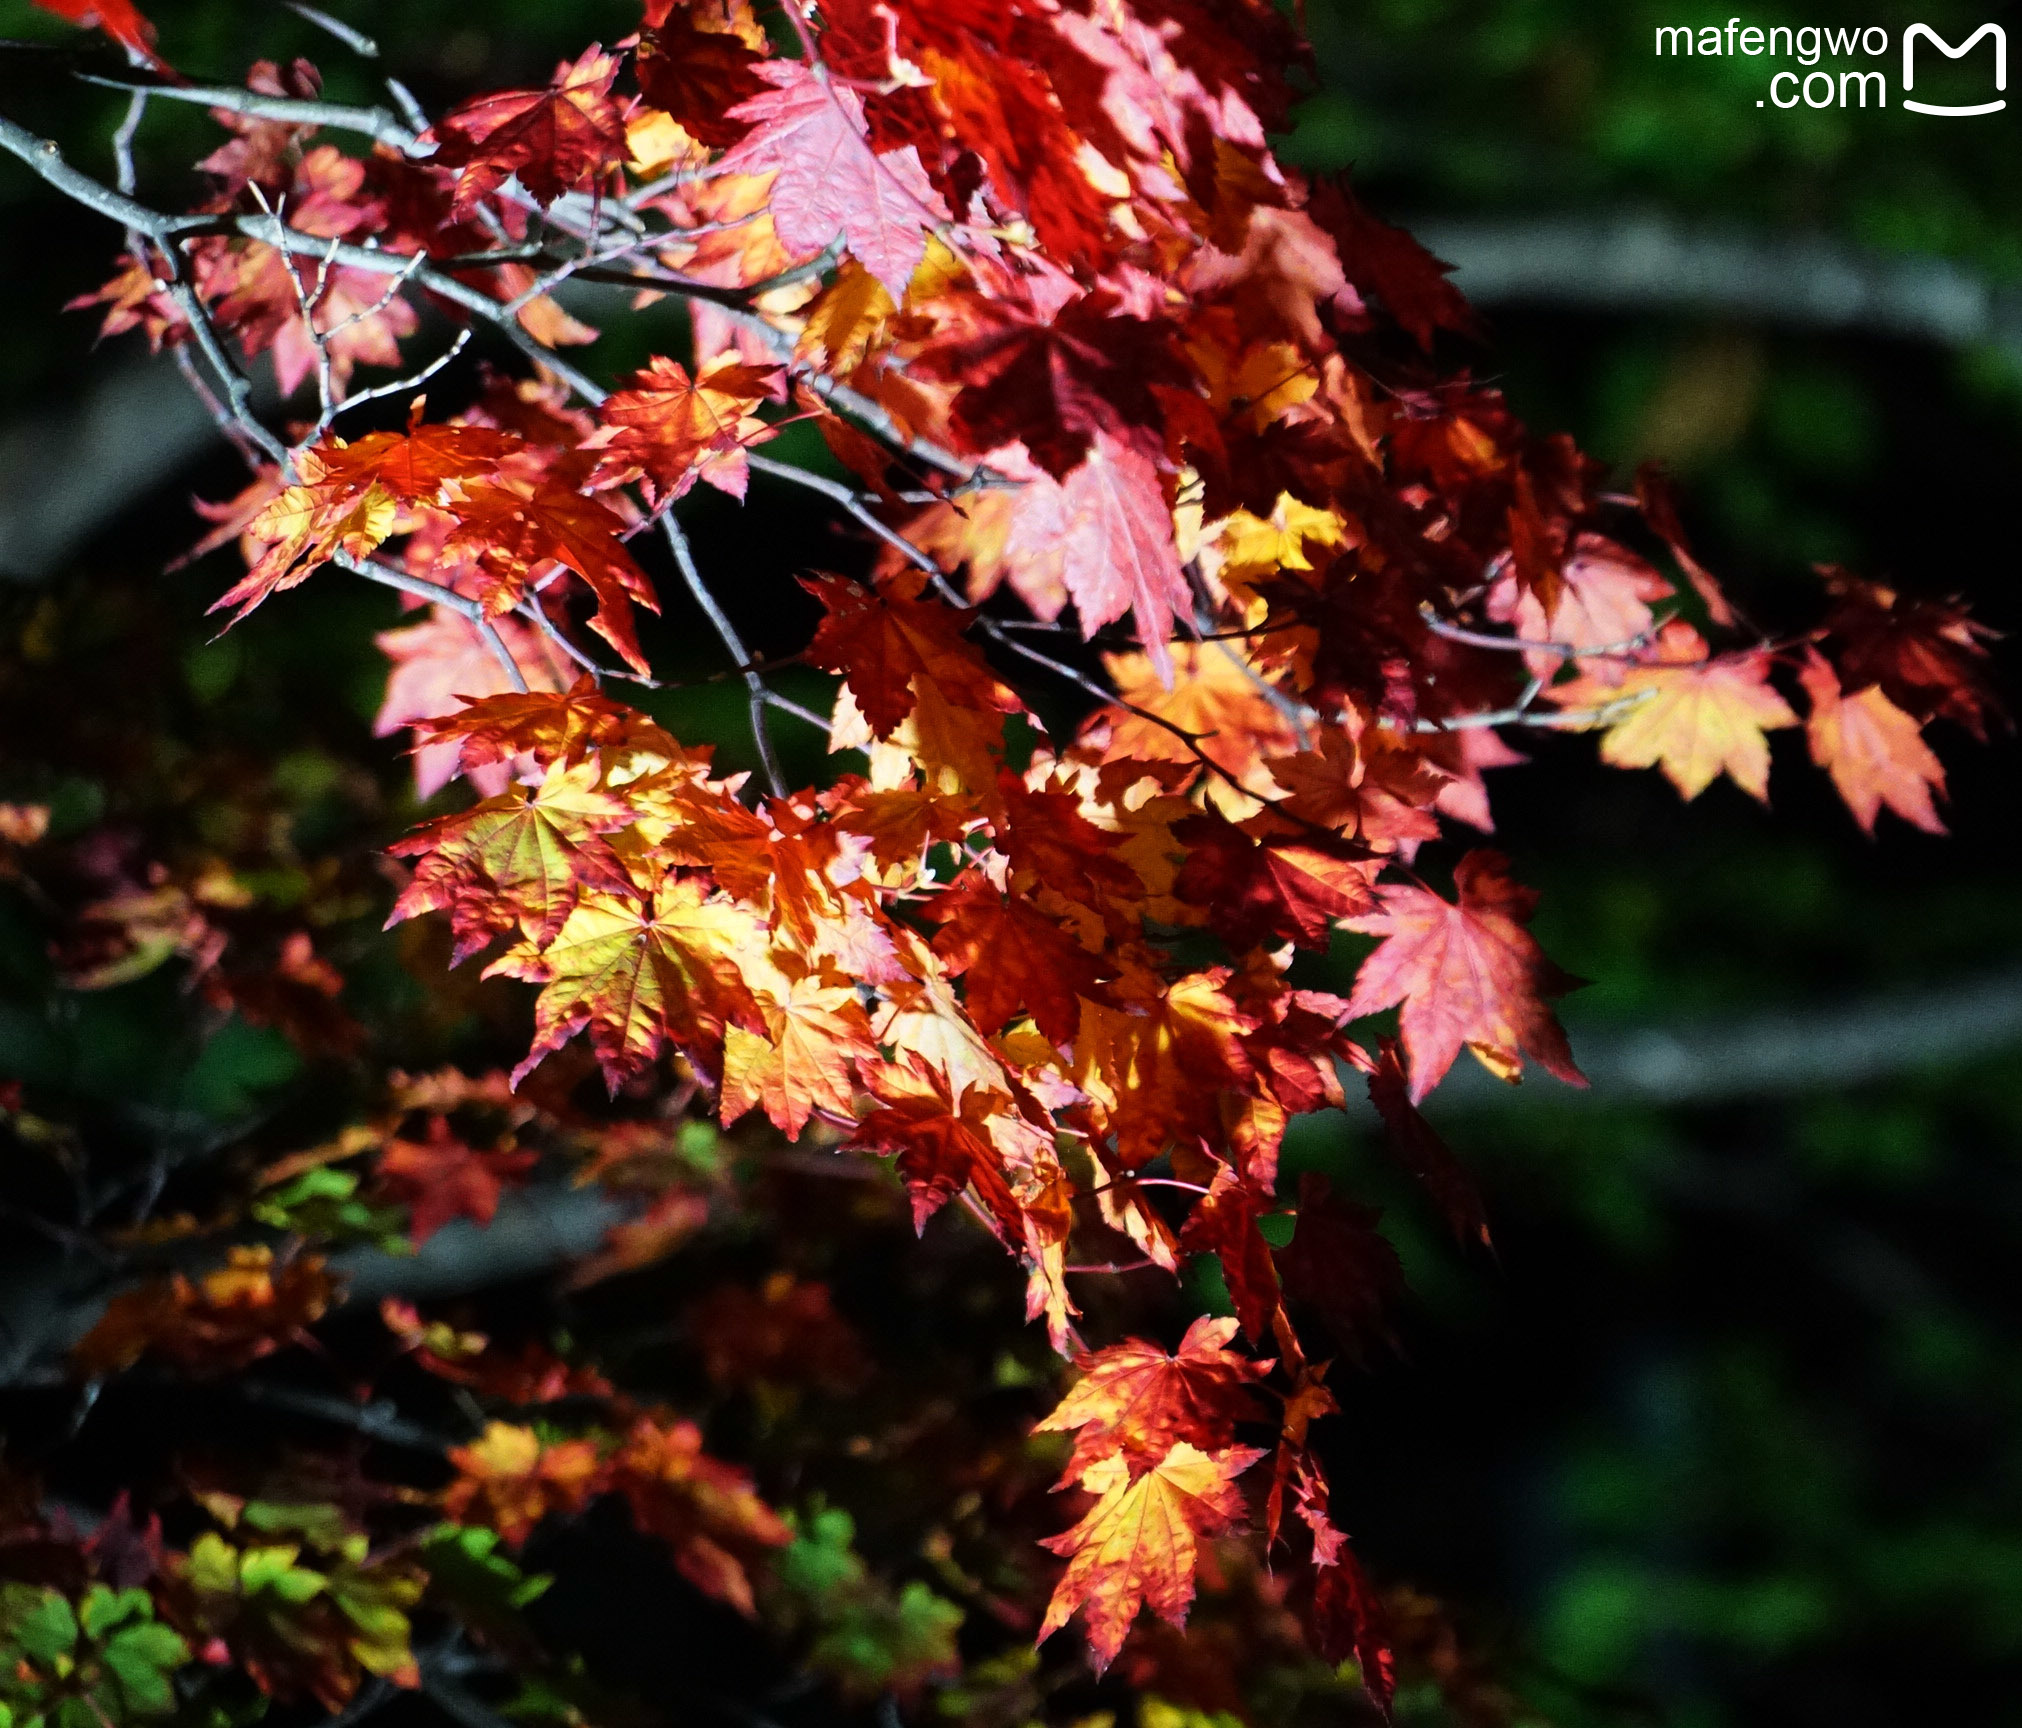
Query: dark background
{"type": "Point", "coordinates": [1728, 1431]}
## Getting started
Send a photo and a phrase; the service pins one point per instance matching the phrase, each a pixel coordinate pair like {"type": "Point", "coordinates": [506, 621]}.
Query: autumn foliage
{"type": "Point", "coordinates": [1118, 409]}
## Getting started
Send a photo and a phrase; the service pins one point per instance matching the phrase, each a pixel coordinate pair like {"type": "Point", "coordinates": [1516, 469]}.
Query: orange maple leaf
{"type": "Point", "coordinates": [514, 533]}
{"type": "Point", "coordinates": [676, 429]}
{"type": "Point", "coordinates": [1158, 1076]}
{"type": "Point", "coordinates": [250, 1307]}
{"type": "Point", "coordinates": [1139, 1544]}
{"type": "Point", "coordinates": [887, 644]}
{"type": "Point", "coordinates": [1467, 973]}
{"type": "Point", "coordinates": [1697, 718]}
{"type": "Point", "coordinates": [705, 1510]}
{"type": "Point", "coordinates": [940, 1150]}
{"type": "Point", "coordinates": [815, 1033]}
{"type": "Point", "coordinates": [1212, 694]}
{"type": "Point", "coordinates": [1014, 957]}
{"type": "Point", "coordinates": [1136, 1401]}
{"type": "Point", "coordinates": [508, 1480]}
{"type": "Point", "coordinates": [1874, 752]}
{"type": "Point", "coordinates": [348, 499]}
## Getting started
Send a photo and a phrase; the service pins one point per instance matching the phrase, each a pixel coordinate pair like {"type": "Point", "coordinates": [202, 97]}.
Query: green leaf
{"type": "Point", "coordinates": [40, 1621]}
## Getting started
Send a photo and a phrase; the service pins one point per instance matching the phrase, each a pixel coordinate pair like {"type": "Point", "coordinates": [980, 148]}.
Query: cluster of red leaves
{"type": "Point", "coordinates": [1046, 242]}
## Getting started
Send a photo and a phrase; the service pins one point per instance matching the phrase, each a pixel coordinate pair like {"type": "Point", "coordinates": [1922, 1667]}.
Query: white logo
{"type": "Point", "coordinates": [1945, 48]}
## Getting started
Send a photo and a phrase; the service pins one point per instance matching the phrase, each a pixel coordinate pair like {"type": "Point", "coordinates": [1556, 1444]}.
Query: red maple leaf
{"type": "Point", "coordinates": [1136, 1400]}
{"type": "Point", "coordinates": [442, 1178]}
{"type": "Point", "coordinates": [1014, 956]}
{"type": "Point", "coordinates": [552, 140]}
{"type": "Point", "coordinates": [883, 643]}
{"type": "Point", "coordinates": [831, 184]}
{"type": "Point", "coordinates": [1389, 263]}
{"type": "Point", "coordinates": [696, 75]}
{"type": "Point", "coordinates": [119, 19]}
{"type": "Point", "coordinates": [1053, 386]}
{"type": "Point", "coordinates": [1467, 973]}
{"type": "Point", "coordinates": [1341, 1263]}
{"type": "Point", "coordinates": [1265, 880]}
{"type": "Point", "coordinates": [1224, 1223]}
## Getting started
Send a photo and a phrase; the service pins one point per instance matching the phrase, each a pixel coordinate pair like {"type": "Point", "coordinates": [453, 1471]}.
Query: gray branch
{"type": "Point", "coordinates": [1791, 1051]}
{"type": "Point", "coordinates": [1631, 263]}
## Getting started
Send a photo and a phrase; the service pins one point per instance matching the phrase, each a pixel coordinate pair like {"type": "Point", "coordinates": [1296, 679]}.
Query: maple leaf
{"type": "Point", "coordinates": [1416, 1145]}
{"type": "Point", "coordinates": [1928, 656]}
{"type": "Point", "coordinates": [1874, 752]}
{"type": "Point", "coordinates": [1107, 531]}
{"type": "Point", "coordinates": [349, 497]}
{"type": "Point", "coordinates": [548, 726]}
{"type": "Point", "coordinates": [1467, 973]}
{"type": "Point", "coordinates": [844, 321]}
{"type": "Point", "coordinates": [1015, 957]}
{"type": "Point", "coordinates": [520, 859]}
{"type": "Point", "coordinates": [676, 429]}
{"type": "Point", "coordinates": [705, 1510]}
{"type": "Point", "coordinates": [642, 970]}
{"type": "Point", "coordinates": [1138, 1546]}
{"type": "Point", "coordinates": [253, 1305]}
{"type": "Point", "coordinates": [1064, 386]}
{"type": "Point", "coordinates": [1215, 695]}
{"type": "Point", "coordinates": [437, 665]}
{"type": "Point", "coordinates": [1262, 880]}
{"type": "Point", "coordinates": [552, 140]}
{"type": "Point", "coordinates": [1697, 718]}
{"type": "Point", "coordinates": [1224, 1223]}
{"type": "Point", "coordinates": [1136, 1401]}
{"type": "Point", "coordinates": [512, 533]}
{"type": "Point", "coordinates": [508, 1479]}
{"type": "Point", "coordinates": [1370, 792]}
{"type": "Point", "coordinates": [831, 185]}
{"type": "Point", "coordinates": [1341, 1263]}
{"type": "Point", "coordinates": [939, 1149]}
{"type": "Point", "coordinates": [303, 528]}
{"type": "Point", "coordinates": [1158, 1076]}
{"type": "Point", "coordinates": [888, 645]}
{"type": "Point", "coordinates": [1391, 264]}
{"type": "Point", "coordinates": [119, 19]}
{"type": "Point", "coordinates": [1349, 1624]}
{"type": "Point", "coordinates": [1655, 499]}
{"type": "Point", "coordinates": [814, 1035]}
{"type": "Point", "coordinates": [441, 1178]}
{"type": "Point", "coordinates": [696, 74]}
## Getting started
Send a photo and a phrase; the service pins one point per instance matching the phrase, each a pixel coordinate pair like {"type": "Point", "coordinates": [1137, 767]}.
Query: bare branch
{"type": "Point", "coordinates": [727, 634]}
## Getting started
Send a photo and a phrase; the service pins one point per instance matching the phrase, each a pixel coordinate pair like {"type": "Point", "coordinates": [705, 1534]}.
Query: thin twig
{"type": "Point", "coordinates": [727, 634]}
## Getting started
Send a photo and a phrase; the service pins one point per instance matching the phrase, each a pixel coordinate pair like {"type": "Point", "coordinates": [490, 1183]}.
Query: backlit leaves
{"type": "Point", "coordinates": [1139, 1545]}
{"type": "Point", "coordinates": [1079, 341]}
{"type": "Point", "coordinates": [1467, 974]}
{"type": "Point", "coordinates": [830, 183]}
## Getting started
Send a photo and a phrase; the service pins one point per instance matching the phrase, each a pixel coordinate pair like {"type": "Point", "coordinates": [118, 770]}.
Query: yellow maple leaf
{"type": "Point", "coordinates": [640, 971]}
{"type": "Point", "coordinates": [1140, 1543]}
{"type": "Point", "coordinates": [1696, 717]}
{"type": "Point", "coordinates": [814, 1033]}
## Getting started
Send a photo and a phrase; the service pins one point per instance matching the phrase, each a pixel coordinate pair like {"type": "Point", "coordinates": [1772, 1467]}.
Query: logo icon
{"type": "Point", "coordinates": [1958, 112]}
